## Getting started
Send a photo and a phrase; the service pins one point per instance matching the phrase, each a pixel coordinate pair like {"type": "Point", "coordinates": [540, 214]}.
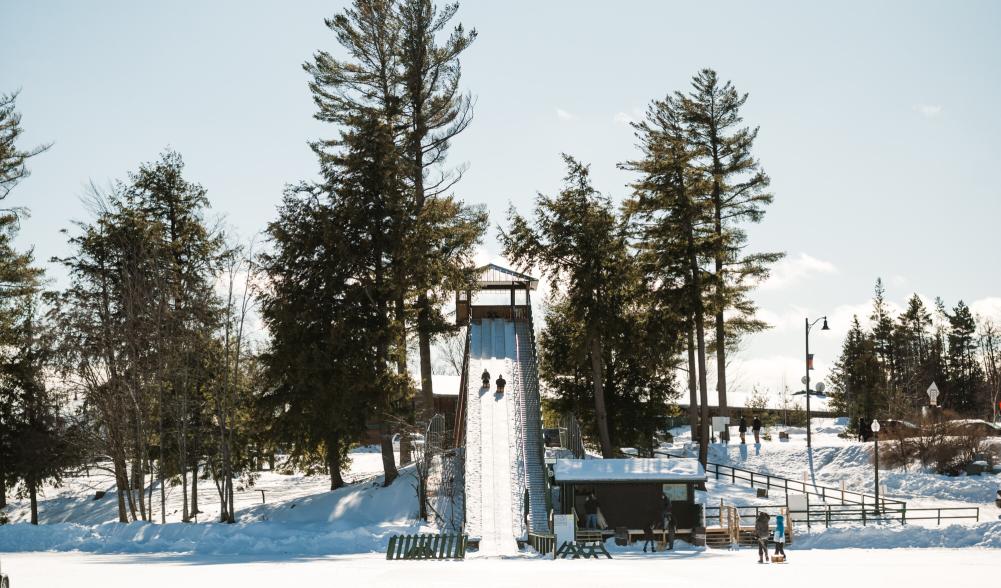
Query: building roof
{"type": "Point", "coordinates": [629, 470]}
{"type": "Point", "coordinates": [444, 385]}
{"type": "Point", "coordinates": [493, 276]}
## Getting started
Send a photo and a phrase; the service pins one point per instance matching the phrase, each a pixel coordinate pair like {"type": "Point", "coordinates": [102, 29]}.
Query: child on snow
{"type": "Point", "coordinates": [780, 536]}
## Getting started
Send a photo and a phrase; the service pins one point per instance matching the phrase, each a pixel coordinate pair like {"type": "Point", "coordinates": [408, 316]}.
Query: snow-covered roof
{"type": "Point", "coordinates": [629, 470]}
{"type": "Point", "coordinates": [444, 385]}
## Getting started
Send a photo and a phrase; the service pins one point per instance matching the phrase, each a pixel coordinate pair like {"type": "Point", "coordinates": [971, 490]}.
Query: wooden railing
{"type": "Point", "coordinates": [445, 546]}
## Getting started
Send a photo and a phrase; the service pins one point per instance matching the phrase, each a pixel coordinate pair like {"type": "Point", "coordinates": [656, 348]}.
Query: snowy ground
{"type": "Point", "coordinates": [306, 532]}
{"type": "Point", "coordinates": [836, 460]}
{"type": "Point", "coordinates": [913, 568]}
{"type": "Point", "coordinates": [301, 517]}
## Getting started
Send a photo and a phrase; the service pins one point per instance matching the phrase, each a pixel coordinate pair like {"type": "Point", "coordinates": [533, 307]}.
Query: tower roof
{"type": "Point", "coordinates": [495, 277]}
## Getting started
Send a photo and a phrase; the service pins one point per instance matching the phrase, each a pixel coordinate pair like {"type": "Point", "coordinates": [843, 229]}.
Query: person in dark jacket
{"type": "Point", "coordinates": [591, 510]}
{"type": "Point", "coordinates": [665, 510]}
{"type": "Point", "coordinates": [648, 539]}
{"type": "Point", "coordinates": [501, 382]}
{"type": "Point", "coordinates": [761, 533]}
{"type": "Point", "coordinates": [742, 429]}
{"type": "Point", "coordinates": [486, 379]}
{"type": "Point", "coordinates": [861, 429]}
{"type": "Point", "coordinates": [756, 427]}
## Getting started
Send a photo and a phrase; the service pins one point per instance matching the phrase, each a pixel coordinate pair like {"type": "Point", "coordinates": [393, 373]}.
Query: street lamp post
{"type": "Point", "coordinates": [809, 326]}
{"type": "Point", "coordinates": [875, 436]}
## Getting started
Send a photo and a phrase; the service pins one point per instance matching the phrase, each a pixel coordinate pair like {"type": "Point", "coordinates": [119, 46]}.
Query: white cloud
{"type": "Point", "coordinates": [928, 110]}
{"type": "Point", "coordinates": [623, 119]}
{"type": "Point", "coordinates": [987, 308]}
{"type": "Point", "coordinates": [793, 270]}
{"type": "Point", "coordinates": [564, 115]}
{"type": "Point", "coordinates": [769, 374]}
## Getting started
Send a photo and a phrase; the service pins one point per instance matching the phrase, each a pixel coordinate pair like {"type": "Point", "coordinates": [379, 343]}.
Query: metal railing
{"type": "Point", "coordinates": [770, 481]}
{"type": "Point", "coordinates": [834, 515]}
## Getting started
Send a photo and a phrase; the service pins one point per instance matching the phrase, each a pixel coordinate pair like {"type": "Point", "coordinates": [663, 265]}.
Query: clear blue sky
{"type": "Point", "coordinates": [879, 123]}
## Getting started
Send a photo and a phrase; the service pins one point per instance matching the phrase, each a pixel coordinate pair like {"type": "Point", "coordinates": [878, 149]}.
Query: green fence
{"type": "Point", "coordinates": [444, 546]}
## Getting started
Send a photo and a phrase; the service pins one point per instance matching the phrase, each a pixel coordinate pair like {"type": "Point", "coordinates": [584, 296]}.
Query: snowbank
{"type": "Point", "coordinates": [354, 519]}
{"type": "Point", "coordinates": [978, 535]}
{"type": "Point", "coordinates": [207, 539]}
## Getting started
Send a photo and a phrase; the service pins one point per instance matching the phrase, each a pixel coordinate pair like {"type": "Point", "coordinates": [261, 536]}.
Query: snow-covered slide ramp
{"type": "Point", "coordinates": [494, 467]}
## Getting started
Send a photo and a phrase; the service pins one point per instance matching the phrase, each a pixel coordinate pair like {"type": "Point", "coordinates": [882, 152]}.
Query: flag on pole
{"type": "Point", "coordinates": [809, 361]}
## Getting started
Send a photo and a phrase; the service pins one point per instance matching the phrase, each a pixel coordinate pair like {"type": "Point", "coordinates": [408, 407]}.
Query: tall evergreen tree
{"type": "Point", "coordinates": [13, 160]}
{"type": "Point", "coordinates": [576, 240]}
{"type": "Point", "coordinates": [857, 378]}
{"type": "Point", "coordinates": [965, 374]}
{"type": "Point", "coordinates": [672, 228]}
{"type": "Point", "coordinates": [19, 279]}
{"type": "Point", "coordinates": [737, 194]}
{"type": "Point", "coordinates": [442, 231]}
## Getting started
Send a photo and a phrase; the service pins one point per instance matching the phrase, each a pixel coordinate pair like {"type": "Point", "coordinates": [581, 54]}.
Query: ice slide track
{"type": "Point", "coordinates": [503, 437]}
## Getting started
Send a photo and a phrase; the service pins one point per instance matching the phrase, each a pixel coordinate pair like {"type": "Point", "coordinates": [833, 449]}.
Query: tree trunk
{"type": "Point", "coordinates": [693, 398]}
{"type": "Point", "coordinates": [390, 473]}
{"type": "Point", "coordinates": [334, 462]}
{"type": "Point", "coordinates": [600, 414]}
{"type": "Point", "coordinates": [401, 365]}
{"type": "Point", "coordinates": [388, 459]}
{"type": "Point", "coordinates": [3, 483]}
{"type": "Point", "coordinates": [122, 481]}
{"type": "Point", "coordinates": [703, 391]}
{"type": "Point", "coordinates": [194, 487]}
{"type": "Point", "coordinates": [719, 252]}
{"type": "Point", "coordinates": [424, 340]}
{"type": "Point", "coordinates": [162, 441]}
{"type": "Point", "coordinates": [33, 495]}
{"type": "Point", "coordinates": [721, 363]}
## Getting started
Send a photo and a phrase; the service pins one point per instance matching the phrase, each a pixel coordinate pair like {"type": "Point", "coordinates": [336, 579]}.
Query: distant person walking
{"type": "Point", "coordinates": [501, 382]}
{"type": "Point", "coordinates": [486, 379]}
{"type": "Point", "coordinates": [761, 533]}
{"type": "Point", "coordinates": [591, 510]}
{"type": "Point", "coordinates": [742, 429]}
{"type": "Point", "coordinates": [861, 429]}
{"type": "Point", "coordinates": [756, 427]}
{"type": "Point", "coordinates": [780, 535]}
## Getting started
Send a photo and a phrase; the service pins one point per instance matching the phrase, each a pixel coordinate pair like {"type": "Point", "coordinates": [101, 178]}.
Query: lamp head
{"type": "Point", "coordinates": [875, 426]}
{"type": "Point", "coordinates": [825, 327]}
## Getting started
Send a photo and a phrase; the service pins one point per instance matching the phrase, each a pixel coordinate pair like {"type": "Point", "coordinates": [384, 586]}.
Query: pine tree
{"type": "Point", "coordinates": [737, 194]}
{"type": "Point", "coordinates": [41, 441]}
{"type": "Point", "coordinates": [912, 342]}
{"type": "Point", "coordinates": [13, 161]}
{"type": "Point", "coordinates": [672, 229]}
{"type": "Point", "coordinates": [576, 240]}
{"type": "Point", "coordinates": [965, 374]}
{"type": "Point", "coordinates": [857, 378]}
{"type": "Point", "coordinates": [443, 231]}
{"type": "Point", "coordinates": [319, 373]}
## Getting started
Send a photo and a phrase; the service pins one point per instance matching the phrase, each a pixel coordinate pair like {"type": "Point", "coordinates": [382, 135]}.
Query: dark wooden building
{"type": "Point", "coordinates": [630, 492]}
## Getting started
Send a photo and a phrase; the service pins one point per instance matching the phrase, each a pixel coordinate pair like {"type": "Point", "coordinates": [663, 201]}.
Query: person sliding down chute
{"type": "Point", "coordinates": [500, 384]}
{"type": "Point", "coordinates": [486, 379]}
